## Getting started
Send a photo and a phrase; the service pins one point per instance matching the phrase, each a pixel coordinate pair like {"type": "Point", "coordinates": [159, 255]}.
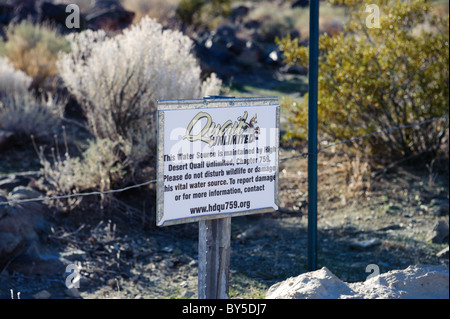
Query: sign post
{"type": "Point", "coordinates": [217, 158]}
{"type": "Point", "coordinates": [214, 258]}
{"type": "Point", "coordinates": [312, 133]}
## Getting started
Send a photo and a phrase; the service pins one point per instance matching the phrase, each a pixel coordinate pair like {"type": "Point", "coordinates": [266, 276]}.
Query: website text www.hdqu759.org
{"type": "Point", "coordinates": [220, 207]}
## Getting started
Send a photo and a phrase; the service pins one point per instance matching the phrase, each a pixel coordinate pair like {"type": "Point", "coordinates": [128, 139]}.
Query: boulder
{"type": "Point", "coordinates": [414, 282]}
{"type": "Point", "coordinates": [21, 221]}
{"type": "Point", "coordinates": [439, 207]}
{"type": "Point", "coordinates": [54, 12]}
{"type": "Point", "coordinates": [319, 284]}
{"type": "Point", "coordinates": [224, 38]}
{"type": "Point", "coordinates": [10, 246]}
{"type": "Point", "coordinates": [238, 13]}
{"type": "Point", "coordinates": [6, 14]}
{"type": "Point", "coordinates": [36, 261]}
{"type": "Point", "coordinates": [300, 4]}
{"type": "Point", "coordinates": [24, 9]}
{"type": "Point", "coordinates": [215, 54]}
{"type": "Point", "coordinates": [439, 233]}
{"type": "Point", "coordinates": [252, 24]}
{"type": "Point", "coordinates": [4, 209]}
{"type": "Point", "coordinates": [109, 15]}
{"type": "Point", "coordinates": [22, 229]}
{"type": "Point", "coordinates": [5, 139]}
{"type": "Point", "coordinates": [294, 69]}
{"type": "Point", "coordinates": [249, 57]}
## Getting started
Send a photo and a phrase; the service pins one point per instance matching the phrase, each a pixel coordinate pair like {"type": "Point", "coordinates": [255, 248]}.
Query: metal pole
{"type": "Point", "coordinates": [312, 132]}
{"type": "Point", "coordinates": [214, 258]}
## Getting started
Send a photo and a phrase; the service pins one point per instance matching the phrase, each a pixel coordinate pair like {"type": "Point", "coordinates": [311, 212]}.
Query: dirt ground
{"type": "Point", "coordinates": [364, 217]}
{"type": "Point", "coordinates": [124, 255]}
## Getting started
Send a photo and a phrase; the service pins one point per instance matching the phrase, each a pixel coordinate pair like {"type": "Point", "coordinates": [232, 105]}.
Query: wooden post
{"type": "Point", "coordinates": [214, 258]}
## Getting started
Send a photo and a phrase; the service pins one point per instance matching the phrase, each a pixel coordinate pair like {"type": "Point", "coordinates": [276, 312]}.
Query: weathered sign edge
{"type": "Point", "coordinates": [165, 105]}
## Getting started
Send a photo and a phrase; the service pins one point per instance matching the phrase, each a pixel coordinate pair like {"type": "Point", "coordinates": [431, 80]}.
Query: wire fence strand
{"type": "Point", "coordinates": [37, 199]}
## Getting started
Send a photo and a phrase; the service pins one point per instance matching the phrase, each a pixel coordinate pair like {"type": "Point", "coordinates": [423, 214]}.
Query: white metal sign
{"type": "Point", "coordinates": [217, 157]}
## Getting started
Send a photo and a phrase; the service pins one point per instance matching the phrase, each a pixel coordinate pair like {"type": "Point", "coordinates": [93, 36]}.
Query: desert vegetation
{"type": "Point", "coordinates": [119, 99]}
{"type": "Point", "coordinates": [33, 49]}
{"type": "Point", "coordinates": [78, 115]}
{"type": "Point", "coordinates": [393, 77]}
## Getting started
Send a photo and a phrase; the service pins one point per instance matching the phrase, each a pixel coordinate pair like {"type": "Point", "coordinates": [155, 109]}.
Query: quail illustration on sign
{"type": "Point", "coordinates": [217, 158]}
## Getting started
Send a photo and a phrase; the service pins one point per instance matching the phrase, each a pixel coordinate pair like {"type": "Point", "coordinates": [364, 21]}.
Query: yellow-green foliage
{"type": "Point", "coordinates": [33, 49]}
{"type": "Point", "coordinates": [375, 78]}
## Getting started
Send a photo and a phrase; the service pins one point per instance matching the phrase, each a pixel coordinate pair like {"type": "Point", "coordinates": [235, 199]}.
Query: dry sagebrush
{"type": "Point", "coordinates": [119, 79]}
{"type": "Point", "coordinates": [12, 80]}
{"type": "Point", "coordinates": [20, 111]}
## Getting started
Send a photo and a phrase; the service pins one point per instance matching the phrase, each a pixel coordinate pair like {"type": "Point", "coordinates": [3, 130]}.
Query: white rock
{"type": "Point", "coordinates": [414, 282]}
{"type": "Point", "coordinates": [319, 284]}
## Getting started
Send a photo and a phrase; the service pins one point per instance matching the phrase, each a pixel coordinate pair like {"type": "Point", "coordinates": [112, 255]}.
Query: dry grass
{"type": "Point", "coordinates": [20, 111]}
{"type": "Point", "coordinates": [98, 169]}
{"type": "Point", "coordinates": [282, 18]}
{"type": "Point", "coordinates": [358, 177]}
{"type": "Point", "coordinates": [343, 179]}
{"type": "Point", "coordinates": [12, 80]}
{"type": "Point", "coordinates": [27, 115]}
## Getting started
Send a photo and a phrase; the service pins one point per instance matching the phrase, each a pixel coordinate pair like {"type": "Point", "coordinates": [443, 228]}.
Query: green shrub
{"type": "Point", "coordinates": [379, 78]}
{"type": "Point", "coordinates": [187, 9]}
{"type": "Point", "coordinates": [203, 12]}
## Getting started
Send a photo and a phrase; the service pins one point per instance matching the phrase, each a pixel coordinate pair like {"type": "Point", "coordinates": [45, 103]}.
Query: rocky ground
{"type": "Point", "coordinates": [123, 255]}
{"type": "Point", "coordinates": [393, 219]}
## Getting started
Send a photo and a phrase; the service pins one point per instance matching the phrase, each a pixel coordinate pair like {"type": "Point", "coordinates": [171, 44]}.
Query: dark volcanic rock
{"type": "Point", "coordinates": [6, 13]}
{"type": "Point", "coordinates": [109, 15]}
